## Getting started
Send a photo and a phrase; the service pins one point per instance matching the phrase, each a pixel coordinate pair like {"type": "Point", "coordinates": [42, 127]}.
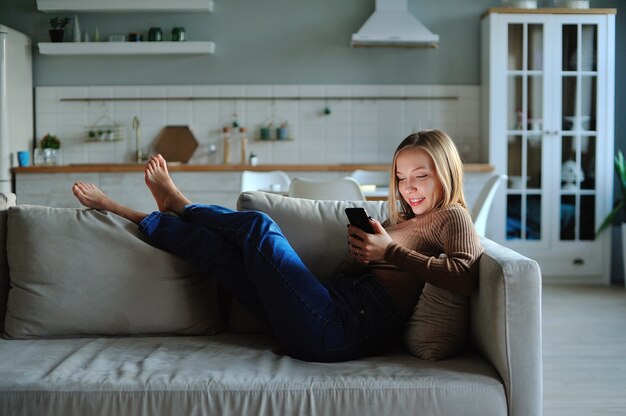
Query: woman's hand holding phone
{"type": "Point", "coordinates": [367, 238]}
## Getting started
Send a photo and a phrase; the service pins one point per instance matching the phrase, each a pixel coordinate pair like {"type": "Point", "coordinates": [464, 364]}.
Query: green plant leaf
{"type": "Point", "coordinates": [620, 169]}
{"type": "Point", "coordinates": [609, 218]}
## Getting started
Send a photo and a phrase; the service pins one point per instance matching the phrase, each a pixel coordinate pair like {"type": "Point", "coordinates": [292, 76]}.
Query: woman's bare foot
{"type": "Point", "coordinates": [92, 197]}
{"type": "Point", "coordinates": [164, 191]}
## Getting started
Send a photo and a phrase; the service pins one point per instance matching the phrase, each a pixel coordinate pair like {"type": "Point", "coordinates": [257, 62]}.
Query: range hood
{"type": "Point", "coordinates": [393, 26]}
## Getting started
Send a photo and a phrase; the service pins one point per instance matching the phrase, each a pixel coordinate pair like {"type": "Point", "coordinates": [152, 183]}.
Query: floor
{"type": "Point", "coordinates": [584, 350]}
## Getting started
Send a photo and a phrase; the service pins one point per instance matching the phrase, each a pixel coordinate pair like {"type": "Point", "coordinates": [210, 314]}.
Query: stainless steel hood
{"type": "Point", "coordinates": [393, 26]}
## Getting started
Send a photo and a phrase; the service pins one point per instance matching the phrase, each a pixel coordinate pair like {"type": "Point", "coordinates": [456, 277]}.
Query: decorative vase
{"type": "Point", "coordinates": [76, 30]}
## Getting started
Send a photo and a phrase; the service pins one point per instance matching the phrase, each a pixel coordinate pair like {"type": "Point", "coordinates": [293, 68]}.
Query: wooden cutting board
{"type": "Point", "coordinates": [176, 143]}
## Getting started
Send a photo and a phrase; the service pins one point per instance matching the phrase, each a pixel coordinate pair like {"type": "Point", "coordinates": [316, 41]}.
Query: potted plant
{"type": "Point", "coordinates": [57, 28]}
{"type": "Point", "coordinates": [50, 144]}
{"type": "Point", "coordinates": [620, 204]}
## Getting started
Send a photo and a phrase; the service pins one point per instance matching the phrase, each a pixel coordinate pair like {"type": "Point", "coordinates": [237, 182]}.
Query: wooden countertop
{"type": "Point", "coordinates": [178, 167]}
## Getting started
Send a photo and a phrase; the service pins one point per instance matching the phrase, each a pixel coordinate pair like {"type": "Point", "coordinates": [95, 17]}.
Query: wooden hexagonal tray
{"type": "Point", "coordinates": [176, 143]}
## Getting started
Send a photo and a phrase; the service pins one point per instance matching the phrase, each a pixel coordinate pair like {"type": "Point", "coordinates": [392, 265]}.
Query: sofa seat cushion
{"type": "Point", "coordinates": [77, 272]}
{"type": "Point", "coordinates": [232, 374]}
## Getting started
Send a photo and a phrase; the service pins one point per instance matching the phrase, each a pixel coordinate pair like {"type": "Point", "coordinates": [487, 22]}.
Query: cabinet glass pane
{"type": "Point", "coordinates": [588, 214]}
{"type": "Point", "coordinates": [533, 217]}
{"type": "Point", "coordinates": [571, 170]}
{"type": "Point", "coordinates": [514, 165]}
{"type": "Point", "coordinates": [530, 227]}
{"type": "Point", "coordinates": [587, 103]}
{"type": "Point", "coordinates": [588, 161]}
{"type": "Point", "coordinates": [513, 217]}
{"type": "Point", "coordinates": [568, 104]}
{"type": "Point", "coordinates": [535, 103]}
{"type": "Point", "coordinates": [516, 42]}
{"type": "Point", "coordinates": [515, 90]}
{"type": "Point", "coordinates": [589, 52]}
{"type": "Point", "coordinates": [578, 219]}
{"type": "Point", "coordinates": [579, 103]}
{"type": "Point", "coordinates": [533, 167]}
{"type": "Point", "coordinates": [535, 47]}
{"type": "Point", "coordinates": [570, 47]}
{"type": "Point", "coordinates": [568, 217]}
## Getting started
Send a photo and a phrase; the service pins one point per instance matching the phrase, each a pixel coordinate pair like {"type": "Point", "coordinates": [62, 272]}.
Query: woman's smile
{"type": "Point", "coordinates": [417, 180]}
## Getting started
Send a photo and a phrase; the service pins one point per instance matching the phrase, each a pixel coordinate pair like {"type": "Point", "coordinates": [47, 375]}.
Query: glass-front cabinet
{"type": "Point", "coordinates": [547, 81]}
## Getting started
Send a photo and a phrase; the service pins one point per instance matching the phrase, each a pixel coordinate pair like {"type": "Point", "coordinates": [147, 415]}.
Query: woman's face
{"type": "Point", "coordinates": [417, 180]}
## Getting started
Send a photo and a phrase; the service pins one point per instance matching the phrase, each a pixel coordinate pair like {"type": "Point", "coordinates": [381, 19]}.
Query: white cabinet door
{"type": "Point", "coordinates": [548, 94]}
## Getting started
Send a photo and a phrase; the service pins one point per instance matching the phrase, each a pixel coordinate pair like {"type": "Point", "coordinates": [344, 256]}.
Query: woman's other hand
{"type": "Point", "coordinates": [365, 247]}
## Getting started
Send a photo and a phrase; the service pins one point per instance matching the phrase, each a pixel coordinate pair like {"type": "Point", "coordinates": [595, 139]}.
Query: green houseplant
{"type": "Point", "coordinates": [49, 146]}
{"type": "Point", "coordinates": [620, 204]}
{"type": "Point", "coordinates": [50, 141]}
{"type": "Point", "coordinates": [57, 28]}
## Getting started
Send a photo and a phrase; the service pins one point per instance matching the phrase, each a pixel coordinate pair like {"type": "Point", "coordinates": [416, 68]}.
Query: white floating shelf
{"type": "Point", "coordinates": [127, 48]}
{"type": "Point", "coordinates": [113, 6]}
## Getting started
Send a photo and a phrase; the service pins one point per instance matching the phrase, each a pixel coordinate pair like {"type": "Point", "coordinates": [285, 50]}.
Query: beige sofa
{"type": "Point", "coordinates": [98, 322]}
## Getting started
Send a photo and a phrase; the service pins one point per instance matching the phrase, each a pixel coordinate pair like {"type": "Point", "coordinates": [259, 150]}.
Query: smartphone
{"type": "Point", "coordinates": [359, 218]}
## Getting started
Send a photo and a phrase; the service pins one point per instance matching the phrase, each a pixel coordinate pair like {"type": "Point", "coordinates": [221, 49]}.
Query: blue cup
{"type": "Point", "coordinates": [282, 133]}
{"type": "Point", "coordinates": [23, 158]}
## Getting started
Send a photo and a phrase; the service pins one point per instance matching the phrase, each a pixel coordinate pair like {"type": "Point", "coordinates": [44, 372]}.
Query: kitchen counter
{"type": "Point", "coordinates": [181, 167]}
{"type": "Point", "coordinates": [211, 184]}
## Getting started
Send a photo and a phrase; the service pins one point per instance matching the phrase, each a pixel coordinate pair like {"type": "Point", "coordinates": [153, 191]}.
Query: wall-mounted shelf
{"type": "Point", "coordinates": [127, 48]}
{"type": "Point", "coordinates": [114, 6]}
{"type": "Point", "coordinates": [272, 98]}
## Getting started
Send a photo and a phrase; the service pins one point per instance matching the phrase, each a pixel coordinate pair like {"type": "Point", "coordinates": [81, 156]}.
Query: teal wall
{"type": "Point", "coordinates": [268, 41]}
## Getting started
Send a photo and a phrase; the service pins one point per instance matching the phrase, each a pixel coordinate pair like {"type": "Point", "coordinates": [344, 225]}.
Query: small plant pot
{"type": "Point", "coordinates": [50, 157]}
{"type": "Point", "coordinates": [56, 35]}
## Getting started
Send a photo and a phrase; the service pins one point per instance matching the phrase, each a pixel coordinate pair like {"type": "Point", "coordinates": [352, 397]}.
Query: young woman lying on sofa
{"type": "Point", "coordinates": [369, 301]}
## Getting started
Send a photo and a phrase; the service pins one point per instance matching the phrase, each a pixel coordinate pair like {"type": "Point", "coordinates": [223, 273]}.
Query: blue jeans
{"type": "Point", "coordinates": [247, 252]}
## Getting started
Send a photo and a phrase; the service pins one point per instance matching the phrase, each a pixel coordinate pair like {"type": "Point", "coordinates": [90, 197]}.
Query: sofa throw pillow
{"type": "Point", "coordinates": [78, 272]}
{"type": "Point", "coordinates": [439, 324]}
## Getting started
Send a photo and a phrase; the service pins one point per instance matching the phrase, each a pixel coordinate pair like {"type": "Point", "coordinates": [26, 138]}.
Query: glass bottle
{"type": "Point", "coordinates": [226, 139]}
{"type": "Point", "coordinates": [243, 138]}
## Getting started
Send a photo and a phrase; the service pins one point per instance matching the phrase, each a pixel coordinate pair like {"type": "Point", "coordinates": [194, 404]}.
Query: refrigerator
{"type": "Point", "coordinates": [16, 101]}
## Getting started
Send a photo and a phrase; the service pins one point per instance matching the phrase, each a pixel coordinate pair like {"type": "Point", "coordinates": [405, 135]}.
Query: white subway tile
{"type": "Point", "coordinates": [152, 91]}
{"type": "Point", "coordinates": [285, 91]}
{"type": "Point", "coordinates": [256, 91]}
{"type": "Point", "coordinates": [356, 130]}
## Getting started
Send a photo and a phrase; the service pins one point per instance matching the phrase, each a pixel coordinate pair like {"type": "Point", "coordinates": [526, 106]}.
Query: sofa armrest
{"type": "Point", "coordinates": [506, 324]}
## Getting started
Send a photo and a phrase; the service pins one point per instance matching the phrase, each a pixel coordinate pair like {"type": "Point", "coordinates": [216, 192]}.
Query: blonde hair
{"type": "Point", "coordinates": [448, 169]}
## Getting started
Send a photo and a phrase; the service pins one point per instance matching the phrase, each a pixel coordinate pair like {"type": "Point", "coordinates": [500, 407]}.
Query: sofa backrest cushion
{"type": "Point", "coordinates": [77, 272]}
{"type": "Point", "coordinates": [6, 201]}
{"type": "Point", "coordinates": [315, 229]}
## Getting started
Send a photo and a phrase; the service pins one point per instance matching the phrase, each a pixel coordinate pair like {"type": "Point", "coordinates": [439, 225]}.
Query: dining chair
{"type": "Point", "coordinates": [256, 181]}
{"type": "Point", "coordinates": [480, 209]}
{"type": "Point", "coordinates": [346, 189]}
{"type": "Point", "coordinates": [371, 177]}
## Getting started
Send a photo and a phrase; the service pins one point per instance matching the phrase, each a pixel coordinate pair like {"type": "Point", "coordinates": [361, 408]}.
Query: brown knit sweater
{"type": "Point", "coordinates": [413, 258]}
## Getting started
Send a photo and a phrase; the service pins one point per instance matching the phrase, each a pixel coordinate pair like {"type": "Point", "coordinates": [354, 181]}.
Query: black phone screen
{"type": "Point", "coordinates": [359, 218]}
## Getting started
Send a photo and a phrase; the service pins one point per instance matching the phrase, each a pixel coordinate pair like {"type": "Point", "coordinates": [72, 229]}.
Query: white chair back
{"type": "Point", "coordinates": [263, 181]}
{"type": "Point", "coordinates": [482, 205]}
{"type": "Point", "coordinates": [371, 177]}
{"type": "Point", "coordinates": [344, 189]}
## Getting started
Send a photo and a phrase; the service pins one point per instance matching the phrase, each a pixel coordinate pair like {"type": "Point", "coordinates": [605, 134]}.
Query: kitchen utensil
{"type": "Point", "coordinates": [176, 143]}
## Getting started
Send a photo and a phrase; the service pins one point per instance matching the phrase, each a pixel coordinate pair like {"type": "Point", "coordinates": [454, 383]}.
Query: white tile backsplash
{"type": "Point", "coordinates": [357, 130]}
